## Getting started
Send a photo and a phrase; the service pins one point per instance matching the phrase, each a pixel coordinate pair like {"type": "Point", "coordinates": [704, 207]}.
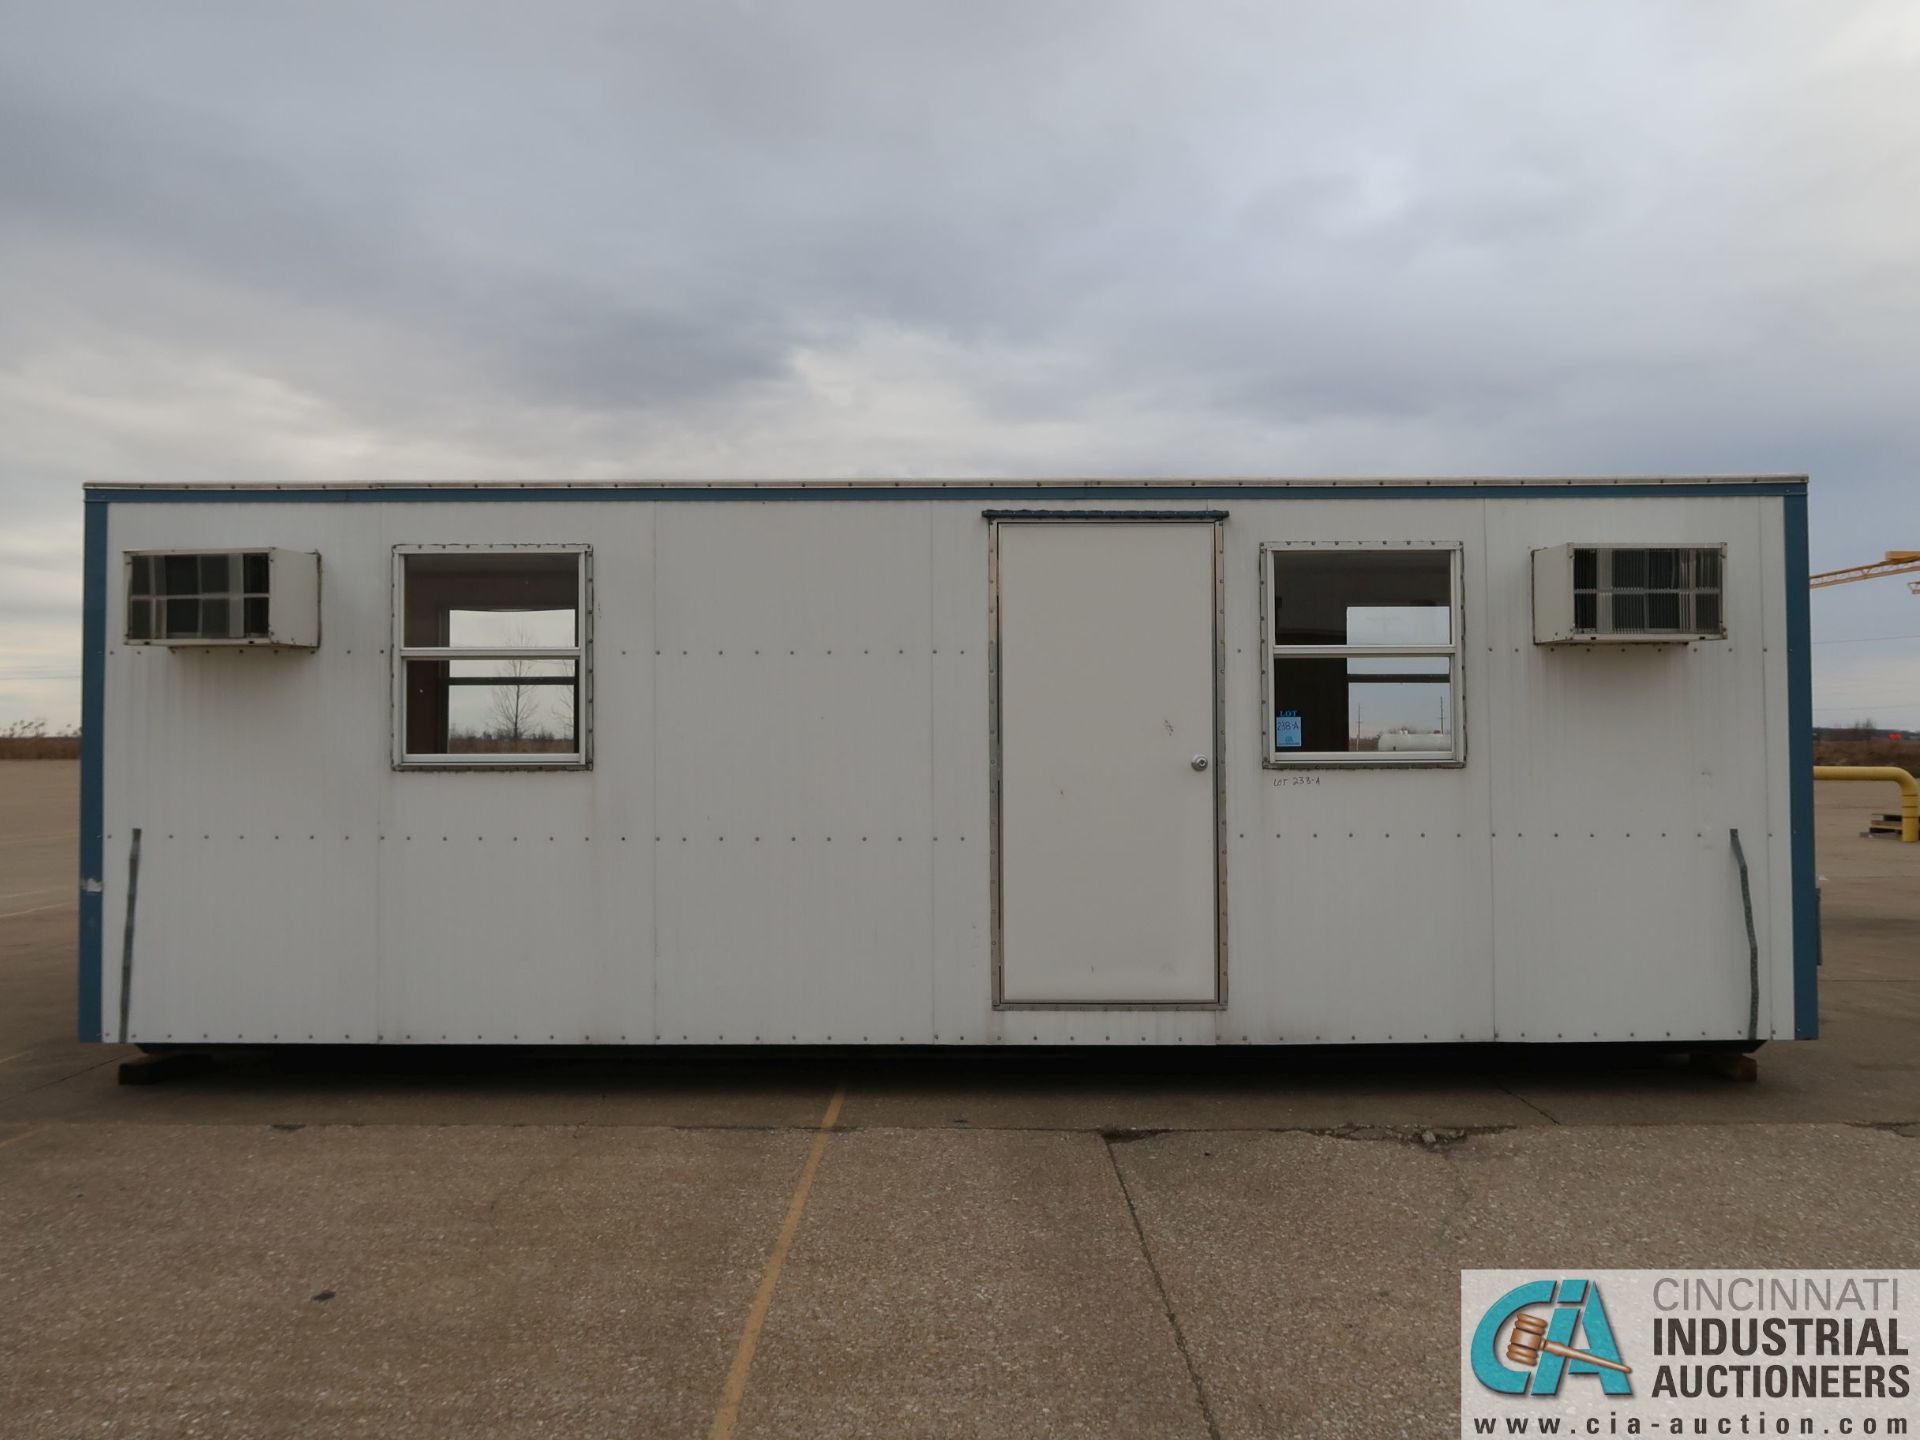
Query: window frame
{"type": "Point", "coordinates": [580, 652]}
{"type": "Point", "coordinates": [1274, 758]}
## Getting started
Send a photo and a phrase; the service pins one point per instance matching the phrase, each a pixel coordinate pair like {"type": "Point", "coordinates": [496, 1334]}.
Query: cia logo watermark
{"type": "Point", "coordinates": [1542, 1346]}
{"type": "Point", "coordinates": [1688, 1352]}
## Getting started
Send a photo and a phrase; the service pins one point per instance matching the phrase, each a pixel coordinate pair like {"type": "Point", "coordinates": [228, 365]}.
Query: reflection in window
{"type": "Point", "coordinates": [1362, 597]}
{"type": "Point", "coordinates": [1363, 662]}
{"type": "Point", "coordinates": [492, 707]}
{"type": "Point", "coordinates": [492, 660]}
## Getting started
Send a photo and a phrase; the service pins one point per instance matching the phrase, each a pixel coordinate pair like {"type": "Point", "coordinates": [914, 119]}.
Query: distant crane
{"type": "Point", "coordinates": [1898, 562]}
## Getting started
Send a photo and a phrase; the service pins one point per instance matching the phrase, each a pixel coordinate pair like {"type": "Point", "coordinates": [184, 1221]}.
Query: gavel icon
{"type": "Point", "coordinates": [1529, 1342]}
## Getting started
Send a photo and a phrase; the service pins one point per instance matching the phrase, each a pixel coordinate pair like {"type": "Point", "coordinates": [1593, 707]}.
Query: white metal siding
{"type": "Point", "coordinates": [1362, 892]}
{"type": "Point", "coordinates": [1618, 774]}
{"type": "Point", "coordinates": [1573, 877]}
{"type": "Point", "coordinates": [792, 739]}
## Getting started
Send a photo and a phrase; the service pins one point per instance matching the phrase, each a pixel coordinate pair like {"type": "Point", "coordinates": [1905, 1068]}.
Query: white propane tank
{"type": "Point", "coordinates": [1401, 740]}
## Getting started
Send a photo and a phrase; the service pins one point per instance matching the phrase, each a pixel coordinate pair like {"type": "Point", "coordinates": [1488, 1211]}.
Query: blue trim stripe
{"type": "Point", "coordinates": [990, 494]}
{"type": "Point", "coordinates": [93, 709]}
{"type": "Point", "coordinates": [1806, 911]}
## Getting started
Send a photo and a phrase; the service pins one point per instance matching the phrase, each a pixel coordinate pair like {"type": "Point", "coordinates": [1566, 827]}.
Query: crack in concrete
{"type": "Point", "coordinates": [62, 1079]}
{"type": "Point", "coordinates": [1453, 1224]}
{"type": "Point", "coordinates": [1905, 1129]}
{"type": "Point", "coordinates": [1537, 1109]}
{"type": "Point", "coordinates": [1160, 1285]}
{"type": "Point", "coordinates": [1444, 1136]}
{"type": "Point", "coordinates": [1427, 1137]}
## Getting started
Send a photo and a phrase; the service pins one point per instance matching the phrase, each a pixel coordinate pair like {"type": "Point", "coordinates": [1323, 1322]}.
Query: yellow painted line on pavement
{"type": "Point", "coordinates": [729, 1413]}
{"type": "Point", "coordinates": [36, 909]}
{"type": "Point", "coordinates": [18, 1138]}
{"type": "Point", "coordinates": [15, 1056]}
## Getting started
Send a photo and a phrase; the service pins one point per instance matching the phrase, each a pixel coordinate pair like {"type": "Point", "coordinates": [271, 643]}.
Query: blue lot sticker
{"type": "Point", "coordinates": [1286, 730]}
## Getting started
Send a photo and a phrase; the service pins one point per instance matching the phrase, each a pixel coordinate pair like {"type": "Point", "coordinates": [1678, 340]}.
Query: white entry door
{"type": "Point", "coordinates": [1107, 848]}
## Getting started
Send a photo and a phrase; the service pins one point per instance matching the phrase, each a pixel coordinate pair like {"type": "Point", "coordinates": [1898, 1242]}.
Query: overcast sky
{"type": "Point", "coordinates": [341, 241]}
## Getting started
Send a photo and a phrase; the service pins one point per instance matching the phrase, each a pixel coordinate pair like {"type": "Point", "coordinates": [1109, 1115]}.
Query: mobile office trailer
{"type": "Point", "coordinates": [1074, 763]}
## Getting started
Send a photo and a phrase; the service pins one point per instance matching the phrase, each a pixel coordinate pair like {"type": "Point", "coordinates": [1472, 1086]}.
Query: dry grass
{"type": "Point", "coordinates": [1904, 753]}
{"type": "Point", "coordinates": [487, 745]}
{"type": "Point", "coordinates": [39, 747]}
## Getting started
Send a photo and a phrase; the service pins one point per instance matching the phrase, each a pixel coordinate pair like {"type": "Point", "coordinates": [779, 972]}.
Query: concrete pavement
{"type": "Point", "coordinates": [1232, 1244]}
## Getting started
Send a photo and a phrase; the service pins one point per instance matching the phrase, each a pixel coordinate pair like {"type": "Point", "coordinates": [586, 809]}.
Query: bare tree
{"type": "Point", "coordinates": [512, 707]}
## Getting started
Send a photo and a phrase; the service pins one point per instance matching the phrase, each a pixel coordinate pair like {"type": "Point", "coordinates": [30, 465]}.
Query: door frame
{"type": "Point", "coordinates": [1217, 520]}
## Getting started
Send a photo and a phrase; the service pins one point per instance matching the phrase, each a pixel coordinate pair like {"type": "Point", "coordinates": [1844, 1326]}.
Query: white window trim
{"type": "Point", "coordinates": [1274, 758]}
{"type": "Point", "coordinates": [581, 653]}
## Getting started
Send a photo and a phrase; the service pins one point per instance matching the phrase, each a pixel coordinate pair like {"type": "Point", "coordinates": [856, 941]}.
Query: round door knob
{"type": "Point", "coordinates": [1199, 762]}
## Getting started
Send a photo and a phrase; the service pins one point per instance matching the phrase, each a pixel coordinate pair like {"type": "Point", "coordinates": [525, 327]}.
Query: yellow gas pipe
{"type": "Point", "coordinates": [1909, 791]}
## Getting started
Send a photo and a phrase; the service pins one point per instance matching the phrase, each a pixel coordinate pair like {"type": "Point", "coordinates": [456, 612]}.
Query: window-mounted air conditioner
{"type": "Point", "coordinates": [1629, 594]}
{"type": "Point", "coordinates": [218, 598]}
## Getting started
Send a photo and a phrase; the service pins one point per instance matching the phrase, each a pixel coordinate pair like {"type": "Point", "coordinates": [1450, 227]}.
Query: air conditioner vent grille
{"type": "Point", "coordinates": [1629, 592]}
{"type": "Point", "coordinates": [1651, 590]}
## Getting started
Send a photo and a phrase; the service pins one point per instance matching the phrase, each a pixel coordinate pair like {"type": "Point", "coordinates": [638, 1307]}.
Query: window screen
{"type": "Point", "coordinates": [1363, 655]}
{"type": "Point", "coordinates": [492, 656]}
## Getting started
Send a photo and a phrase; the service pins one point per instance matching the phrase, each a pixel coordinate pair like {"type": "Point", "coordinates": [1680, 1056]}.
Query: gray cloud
{"type": "Point", "coordinates": [362, 240]}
